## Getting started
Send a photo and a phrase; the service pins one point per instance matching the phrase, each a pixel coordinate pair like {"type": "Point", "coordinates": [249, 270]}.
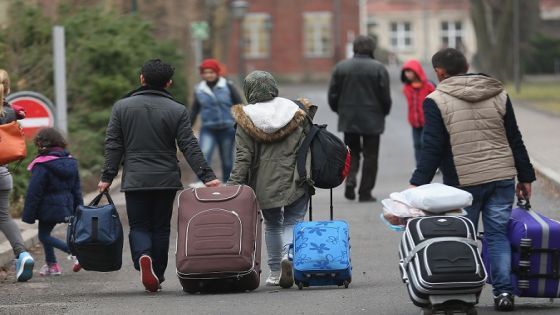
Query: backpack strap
{"type": "Point", "coordinates": [301, 156]}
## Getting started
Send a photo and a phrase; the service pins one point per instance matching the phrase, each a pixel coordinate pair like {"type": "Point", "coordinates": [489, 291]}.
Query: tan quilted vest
{"type": "Point", "coordinates": [481, 151]}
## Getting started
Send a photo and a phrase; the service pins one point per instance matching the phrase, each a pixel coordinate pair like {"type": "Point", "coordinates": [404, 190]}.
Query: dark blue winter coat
{"type": "Point", "coordinates": [54, 190]}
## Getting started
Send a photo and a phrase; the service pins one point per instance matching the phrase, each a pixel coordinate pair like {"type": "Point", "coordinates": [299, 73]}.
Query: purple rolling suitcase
{"type": "Point", "coordinates": [535, 246]}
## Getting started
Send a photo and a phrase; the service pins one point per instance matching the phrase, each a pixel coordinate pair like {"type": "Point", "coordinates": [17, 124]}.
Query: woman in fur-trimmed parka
{"type": "Point", "coordinates": [270, 129]}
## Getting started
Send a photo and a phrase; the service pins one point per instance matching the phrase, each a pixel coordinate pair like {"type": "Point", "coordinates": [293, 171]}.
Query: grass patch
{"type": "Point", "coordinates": [540, 95]}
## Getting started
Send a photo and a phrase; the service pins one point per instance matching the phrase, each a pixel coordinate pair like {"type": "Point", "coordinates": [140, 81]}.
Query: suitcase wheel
{"type": "Point", "coordinates": [346, 283]}
{"type": "Point", "coordinates": [472, 311]}
{"type": "Point", "coordinates": [300, 285]}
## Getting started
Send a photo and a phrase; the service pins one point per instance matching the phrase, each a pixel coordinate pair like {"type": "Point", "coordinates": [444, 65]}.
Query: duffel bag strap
{"type": "Point", "coordinates": [430, 241]}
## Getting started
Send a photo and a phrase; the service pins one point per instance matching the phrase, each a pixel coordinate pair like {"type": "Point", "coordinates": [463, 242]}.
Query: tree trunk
{"type": "Point", "coordinates": [493, 25]}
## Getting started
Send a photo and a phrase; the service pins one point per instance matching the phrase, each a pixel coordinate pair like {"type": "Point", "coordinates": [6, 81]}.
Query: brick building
{"type": "Point", "coordinates": [417, 29]}
{"type": "Point", "coordinates": [293, 39]}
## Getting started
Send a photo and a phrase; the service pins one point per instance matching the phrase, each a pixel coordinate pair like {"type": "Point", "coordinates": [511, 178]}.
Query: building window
{"type": "Point", "coordinates": [317, 34]}
{"type": "Point", "coordinates": [452, 34]}
{"type": "Point", "coordinates": [256, 33]}
{"type": "Point", "coordinates": [401, 35]}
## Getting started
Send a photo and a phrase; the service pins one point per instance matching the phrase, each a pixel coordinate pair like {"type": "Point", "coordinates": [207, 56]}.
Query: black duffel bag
{"type": "Point", "coordinates": [95, 235]}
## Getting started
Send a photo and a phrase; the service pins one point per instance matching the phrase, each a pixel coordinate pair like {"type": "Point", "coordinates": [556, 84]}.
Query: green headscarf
{"type": "Point", "coordinates": [259, 86]}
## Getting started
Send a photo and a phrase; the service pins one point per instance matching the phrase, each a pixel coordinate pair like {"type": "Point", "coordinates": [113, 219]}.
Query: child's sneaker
{"type": "Point", "coordinates": [45, 270]}
{"type": "Point", "coordinates": [273, 279]}
{"type": "Point", "coordinates": [55, 270]}
{"type": "Point", "coordinates": [286, 275]}
{"type": "Point", "coordinates": [147, 275]}
{"type": "Point", "coordinates": [24, 267]}
{"type": "Point", "coordinates": [76, 267]}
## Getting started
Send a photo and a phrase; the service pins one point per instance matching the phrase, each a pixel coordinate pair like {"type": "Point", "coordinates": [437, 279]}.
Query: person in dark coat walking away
{"type": "Point", "coordinates": [359, 92]}
{"type": "Point", "coordinates": [52, 195]}
{"type": "Point", "coordinates": [416, 88]}
{"type": "Point", "coordinates": [269, 133]}
{"type": "Point", "coordinates": [24, 261]}
{"type": "Point", "coordinates": [471, 134]}
{"type": "Point", "coordinates": [144, 131]}
{"type": "Point", "coordinates": [213, 98]}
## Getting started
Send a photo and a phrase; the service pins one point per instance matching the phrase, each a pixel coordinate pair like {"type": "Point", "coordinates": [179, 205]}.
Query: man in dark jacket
{"type": "Point", "coordinates": [471, 134]}
{"type": "Point", "coordinates": [143, 133]}
{"type": "Point", "coordinates": [359, 92]}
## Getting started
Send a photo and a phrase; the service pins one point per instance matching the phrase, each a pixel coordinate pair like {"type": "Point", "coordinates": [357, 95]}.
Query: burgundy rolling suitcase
{"type": "Point", "coordinates": [535, 254]}
{"type": "Point", "coordinates": [219, 239]}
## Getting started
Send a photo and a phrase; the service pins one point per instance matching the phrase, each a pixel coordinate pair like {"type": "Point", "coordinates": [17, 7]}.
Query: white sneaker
{"type": "Point", "coordinates": [286, 280]}
{"type": "Point", "coordinates": [273, 279]}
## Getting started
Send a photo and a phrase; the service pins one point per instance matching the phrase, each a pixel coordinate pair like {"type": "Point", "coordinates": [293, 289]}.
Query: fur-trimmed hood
{"type": "Point", "coordinates": [271, 121]}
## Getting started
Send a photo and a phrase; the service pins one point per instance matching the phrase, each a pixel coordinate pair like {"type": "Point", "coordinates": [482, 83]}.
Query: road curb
{"type": "Point", "coordinates": [31, 235]}
{"type": "Point", "coordinates": [550, 175]}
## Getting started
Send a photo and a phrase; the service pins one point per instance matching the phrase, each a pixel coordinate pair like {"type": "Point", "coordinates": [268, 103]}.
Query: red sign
{"type": "Point", "coordinates": [38, 112]}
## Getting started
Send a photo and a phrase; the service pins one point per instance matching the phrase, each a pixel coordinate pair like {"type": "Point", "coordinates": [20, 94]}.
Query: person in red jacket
{"type": "Point", "coordinates": [416, 88]}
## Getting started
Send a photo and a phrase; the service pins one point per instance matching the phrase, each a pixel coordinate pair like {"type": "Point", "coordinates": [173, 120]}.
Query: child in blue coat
{"type": "Point", "coordinates": [53, 194]}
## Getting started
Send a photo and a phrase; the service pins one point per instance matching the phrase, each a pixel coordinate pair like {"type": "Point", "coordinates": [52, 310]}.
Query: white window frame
{"type": "Point", "coordinates": [254, 33]}
{"type": "Point", "coordinates": [452, 33]}
{"type": "Point", "coordinates": [318, 43]}
{"type": "Point", "coordinates": [400, 35]}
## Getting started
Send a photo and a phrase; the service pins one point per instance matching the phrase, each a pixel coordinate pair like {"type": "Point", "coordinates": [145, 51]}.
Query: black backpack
{"type": "Point", "coordinates": [330, 157]}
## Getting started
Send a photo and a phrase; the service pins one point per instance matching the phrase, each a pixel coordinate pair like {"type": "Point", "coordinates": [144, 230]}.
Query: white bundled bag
{"type": "Point", "coordinates": [435, 198]}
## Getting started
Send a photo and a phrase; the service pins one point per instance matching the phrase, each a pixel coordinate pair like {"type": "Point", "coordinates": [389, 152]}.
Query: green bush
{"type": "Point", "coordinates": [104, 53]}
{"type": "Point", "coordinates": [545, 56]}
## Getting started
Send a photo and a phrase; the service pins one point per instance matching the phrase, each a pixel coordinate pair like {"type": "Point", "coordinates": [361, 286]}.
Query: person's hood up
{"type": "Point", "coordinates": [415, 66]}
{"type": "Point", "coordinates": [271, 121]}
{"type": "Point", "coordinates": [471, 87]}
{"type": "Point", "coordinates": [61, 163]}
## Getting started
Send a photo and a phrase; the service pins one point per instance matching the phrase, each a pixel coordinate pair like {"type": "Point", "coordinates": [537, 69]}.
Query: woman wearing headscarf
{"type": "Point", "coordinates": [270, 129]}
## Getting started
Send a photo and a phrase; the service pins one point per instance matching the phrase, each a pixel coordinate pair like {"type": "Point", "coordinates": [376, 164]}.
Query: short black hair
{"type": "Point", "coordinates": [451, 60]}
{"type": "Point", "coordinates": [48, 138]}
{"type": "Point", "coordinates": [364, 45]}
{"type": "Point", "coordinates": [157, 73]}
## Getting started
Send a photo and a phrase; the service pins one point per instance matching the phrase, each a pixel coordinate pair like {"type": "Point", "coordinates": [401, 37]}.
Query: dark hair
{"type": "Point", "coordinates": [364, 45]}
{"type": "Point", "coordinates": [451, 60]}
{"type": "Point", "coordinates": [157, 73]}
{"type": "Point", "coordinates": [48, 138]}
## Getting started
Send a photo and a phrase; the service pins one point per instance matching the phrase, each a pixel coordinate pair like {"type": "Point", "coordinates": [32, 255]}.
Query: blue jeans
{"type": "Point", "coordinates": [279, 229]}
{"type": "Point", "coordinates": [417, 141]}
{"type": "Point", "coordinates": [49, 242]}
{"type": "Point", "coordinates": [149, 215]}
{"type": "Point", "coordinates": [494, 201]}
{"type": "Point", "coordinates": [225, 140]}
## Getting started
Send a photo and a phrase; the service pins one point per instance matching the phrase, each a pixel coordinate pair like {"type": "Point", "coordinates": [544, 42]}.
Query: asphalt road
{"type": "Point", "coordinates": [376, 286]}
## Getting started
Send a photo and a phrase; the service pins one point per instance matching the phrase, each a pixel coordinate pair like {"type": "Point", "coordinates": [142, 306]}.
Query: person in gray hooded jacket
{"type": "Point", "coordinates": [144, 131]}
{"type": "Point", "coordinates": [270, 131]}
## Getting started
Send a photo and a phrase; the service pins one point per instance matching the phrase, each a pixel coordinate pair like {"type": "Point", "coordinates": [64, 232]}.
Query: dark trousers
{"type": "Point", "coordinates": [49, 242]}
{"type": "Point", "coordinates": [417, 141]}
{"type": "Point", "coordinates": [368, 146]}
{"type": "Point", "coordinates": [149, 216]}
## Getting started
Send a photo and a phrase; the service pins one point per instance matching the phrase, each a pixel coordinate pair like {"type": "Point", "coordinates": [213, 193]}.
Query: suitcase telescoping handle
{"type": "Point", "coordinates": [97, 199]}
{"type": "Point", "coordinates": [311, 206]}
{"type": "Point", "coordinates": [524, 204]}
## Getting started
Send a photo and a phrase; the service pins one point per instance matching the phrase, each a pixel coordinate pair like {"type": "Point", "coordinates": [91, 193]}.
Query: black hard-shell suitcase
{"type": "Point", "coordinates": [440, 263]}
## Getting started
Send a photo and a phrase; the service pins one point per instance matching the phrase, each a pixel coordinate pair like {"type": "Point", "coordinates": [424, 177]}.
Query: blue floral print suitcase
{"type": "Point", "coordinates": [321, 253]}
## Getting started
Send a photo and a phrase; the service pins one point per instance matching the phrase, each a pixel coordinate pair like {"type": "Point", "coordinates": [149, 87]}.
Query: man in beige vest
{"type": "Point", "coordinates": [471, 134]}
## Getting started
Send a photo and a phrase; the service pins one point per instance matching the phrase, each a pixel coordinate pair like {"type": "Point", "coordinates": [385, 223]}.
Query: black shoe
{"type": "Point", "coordinates": [504, 302]}
{"type": "Point", "coordinates": [349, 193]}
{"type": "Point", "coordinates": [368, 198]}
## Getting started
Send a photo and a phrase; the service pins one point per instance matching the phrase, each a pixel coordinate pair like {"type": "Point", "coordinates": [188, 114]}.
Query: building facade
{"type": "Point", "coordinates": [293, 39]}
{"type": "Point", "coordinates": [416, 29]}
